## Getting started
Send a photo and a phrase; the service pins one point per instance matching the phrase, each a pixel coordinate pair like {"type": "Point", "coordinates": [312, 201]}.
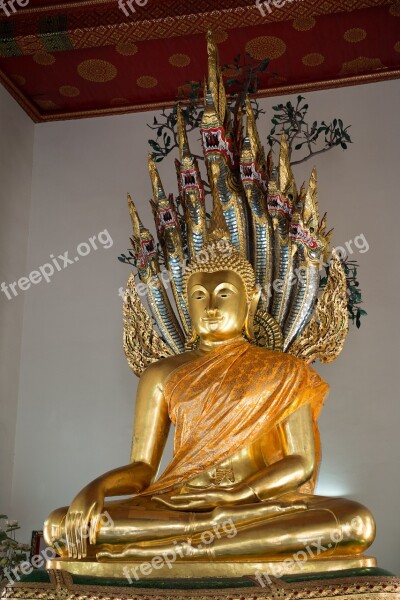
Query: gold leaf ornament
{"type": "Point", "coordinates": [324, 336]}
{"type": "Point", "coordinates": [142, 345]}
{"type": "Point", "coordinates": [267, 332]}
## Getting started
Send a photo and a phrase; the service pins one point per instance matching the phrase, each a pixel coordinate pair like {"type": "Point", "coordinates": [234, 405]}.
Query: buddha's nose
{"type": "Point", "coordinates": [212, 312]}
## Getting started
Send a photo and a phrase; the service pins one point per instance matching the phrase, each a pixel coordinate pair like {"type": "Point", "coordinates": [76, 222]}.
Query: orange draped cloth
{"type": "Point", "coordinates": [230, 397]}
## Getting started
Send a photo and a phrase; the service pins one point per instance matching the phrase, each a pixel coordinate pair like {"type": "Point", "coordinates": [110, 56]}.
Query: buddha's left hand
{"type": "Point", "coordinates": [207, 499]}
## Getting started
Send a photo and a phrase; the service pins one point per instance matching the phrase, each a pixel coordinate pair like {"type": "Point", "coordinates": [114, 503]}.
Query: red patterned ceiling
{"type": "Point", "coordinates": [73, 59]}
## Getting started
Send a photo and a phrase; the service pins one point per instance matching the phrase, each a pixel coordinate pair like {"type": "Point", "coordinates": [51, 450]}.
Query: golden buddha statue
{"type": "Point", "coordinates": [242, 398]}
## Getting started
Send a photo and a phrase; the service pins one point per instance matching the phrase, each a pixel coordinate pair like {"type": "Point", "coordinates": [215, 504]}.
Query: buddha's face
{"type": "Point", "coordinates": [217, 304]}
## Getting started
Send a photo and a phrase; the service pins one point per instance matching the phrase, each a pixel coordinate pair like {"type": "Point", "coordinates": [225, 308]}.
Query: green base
{"type": "Point", "coordinates": [204, 583]}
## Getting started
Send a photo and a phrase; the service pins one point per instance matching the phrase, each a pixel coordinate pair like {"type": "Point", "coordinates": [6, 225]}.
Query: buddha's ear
{"type": "Point", "coordinates": [251, 311]}
{"type": "Point", "coordinates": [192, 340]}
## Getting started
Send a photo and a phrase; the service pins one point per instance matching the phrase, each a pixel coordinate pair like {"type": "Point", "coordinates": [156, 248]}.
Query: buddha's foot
{"type": "Point", "coordinates": [253, 512]}
{"type": "Point", "coordinates": [183, 550]}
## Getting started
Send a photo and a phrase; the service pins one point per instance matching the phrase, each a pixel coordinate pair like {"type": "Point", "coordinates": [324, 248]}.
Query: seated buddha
{"type": "Point", "coordinates": [246, 448]}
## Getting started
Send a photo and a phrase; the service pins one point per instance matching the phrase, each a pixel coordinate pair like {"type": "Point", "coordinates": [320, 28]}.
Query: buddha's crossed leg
{"type": "Point", "coordinates": [142, 531]}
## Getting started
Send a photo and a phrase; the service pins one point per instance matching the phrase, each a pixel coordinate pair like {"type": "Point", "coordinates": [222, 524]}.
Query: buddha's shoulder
{"type": "Point", "coordinates": [159, 371]}
{"type": "Point", "coordinates": [265, 356]}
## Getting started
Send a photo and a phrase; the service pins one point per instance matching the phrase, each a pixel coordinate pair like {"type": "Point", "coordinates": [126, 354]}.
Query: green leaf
{"type": "Point", "coordinates": [344, 146]}
{"type": "Point", "coordinates": [298, 146]}
{"type": "Point", "coordinates": [154, 145]}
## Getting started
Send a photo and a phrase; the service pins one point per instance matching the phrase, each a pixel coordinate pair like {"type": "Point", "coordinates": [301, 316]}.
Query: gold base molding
{"type": "Point", "coordinates": [61, 586]}
{"type": "Point", "coordinates": [199, 569]}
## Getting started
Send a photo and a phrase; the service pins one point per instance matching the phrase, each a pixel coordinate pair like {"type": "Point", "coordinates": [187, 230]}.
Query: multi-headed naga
{"type": "Point", "coordinates": [258, 209]}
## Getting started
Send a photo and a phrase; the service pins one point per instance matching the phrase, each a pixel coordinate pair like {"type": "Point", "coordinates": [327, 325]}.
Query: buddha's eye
{"type": "Point", "coordinates": [224, 293]}
{"type": "Point", "coordinates": [198, 295]}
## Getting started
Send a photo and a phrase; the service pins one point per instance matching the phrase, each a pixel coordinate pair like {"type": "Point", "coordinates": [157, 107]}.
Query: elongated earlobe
{"type": "Point", "coordinates": [192, 341]}
{"type": "Point", "coordinates": [252, 309]}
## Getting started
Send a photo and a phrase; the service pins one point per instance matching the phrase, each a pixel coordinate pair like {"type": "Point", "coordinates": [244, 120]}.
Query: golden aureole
{"type": "Point", "coordinates": [228, 367]}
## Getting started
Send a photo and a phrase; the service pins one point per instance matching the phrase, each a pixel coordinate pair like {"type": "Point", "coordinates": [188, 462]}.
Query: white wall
{"type": "Point", "coordinates": [76, 391]}
{"type": "Point", "coordinates": [16, 155]}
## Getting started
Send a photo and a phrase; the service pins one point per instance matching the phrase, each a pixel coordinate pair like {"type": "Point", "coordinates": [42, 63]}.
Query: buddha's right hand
{"type": "Point", "coordinates": [83, 519]}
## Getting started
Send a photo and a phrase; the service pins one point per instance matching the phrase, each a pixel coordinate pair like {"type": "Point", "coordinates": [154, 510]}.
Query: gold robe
{"type": "Point", "coordinates": [230, 397]}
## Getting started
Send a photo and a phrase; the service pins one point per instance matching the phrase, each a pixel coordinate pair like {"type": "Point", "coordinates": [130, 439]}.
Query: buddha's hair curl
{"type": "Point", "coordinates": [221, 255]}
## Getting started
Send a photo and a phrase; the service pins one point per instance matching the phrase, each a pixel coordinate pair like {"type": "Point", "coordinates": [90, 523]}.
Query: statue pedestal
{"type": "Point", "coordinates": [368, 583]}
{"type": "Point", "coordinates": [169, 566]}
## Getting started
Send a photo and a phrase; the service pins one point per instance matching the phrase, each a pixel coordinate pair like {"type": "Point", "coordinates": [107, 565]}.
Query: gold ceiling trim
{"type": "Point", "coordinates": [65, 6]}
{"type": "Point", "coordinates": [244, 16]}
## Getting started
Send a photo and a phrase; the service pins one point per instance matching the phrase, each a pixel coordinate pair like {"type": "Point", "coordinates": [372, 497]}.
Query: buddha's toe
{"type": "Point", "coordinates": [130, 551]}
{"type": "Point", "coordinates": [54, 526]}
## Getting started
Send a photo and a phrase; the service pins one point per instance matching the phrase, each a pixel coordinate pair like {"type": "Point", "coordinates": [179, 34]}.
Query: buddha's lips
{"type": "Point", "coordinates": [276, 204]}
{"type": "Point", "coordinates": [296, 232]}
{"type": "Point", "coordinates": [215, 142]}
{"type": "Point", "coordinates": [211, 319]}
